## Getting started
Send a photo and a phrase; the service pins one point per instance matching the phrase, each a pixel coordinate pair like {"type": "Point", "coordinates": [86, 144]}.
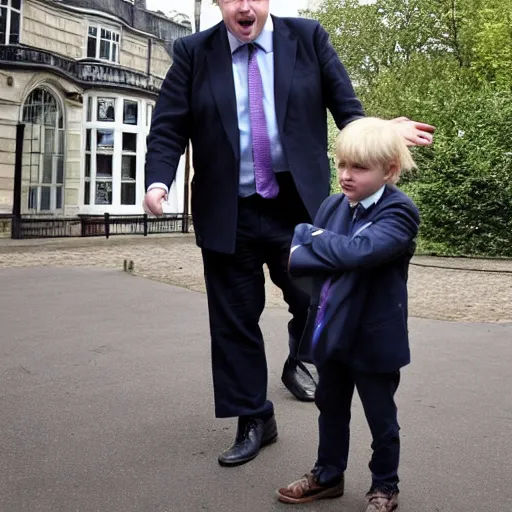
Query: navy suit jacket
{"type": "Point", "coordinates": [198, 102]}
{"type": "Point", "coordinates": [365, 318]}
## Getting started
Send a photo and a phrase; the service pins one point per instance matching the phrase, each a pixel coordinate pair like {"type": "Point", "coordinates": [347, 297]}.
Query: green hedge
{"type": "Point", "coordinates": [463, 186]}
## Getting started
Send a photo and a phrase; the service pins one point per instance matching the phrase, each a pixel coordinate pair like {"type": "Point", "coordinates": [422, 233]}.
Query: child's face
{"type": "Point", "coordinates": [359, 181]}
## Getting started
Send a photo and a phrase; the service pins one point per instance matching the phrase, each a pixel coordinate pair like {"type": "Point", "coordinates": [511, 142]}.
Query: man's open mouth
{"type": "Point", "coordinates": [246, 23]}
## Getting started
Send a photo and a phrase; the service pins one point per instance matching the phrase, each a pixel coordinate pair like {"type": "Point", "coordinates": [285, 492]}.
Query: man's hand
{"type": "Point", "coordinates": [153, 201]}
{"type": "Point", "coordinates": [414, 133]}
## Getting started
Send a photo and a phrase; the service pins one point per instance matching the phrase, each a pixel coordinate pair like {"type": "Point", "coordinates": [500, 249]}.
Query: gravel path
{"type": "Point", "coordinates": [459, 293]}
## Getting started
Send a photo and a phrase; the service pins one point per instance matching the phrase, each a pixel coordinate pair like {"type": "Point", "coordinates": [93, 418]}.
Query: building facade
{"type": "Point", "coordinates": [82, 76]}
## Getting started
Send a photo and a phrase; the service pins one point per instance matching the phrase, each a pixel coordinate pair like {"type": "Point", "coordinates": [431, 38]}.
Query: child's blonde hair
{"type": "Point", "coordinates": [371, 140]}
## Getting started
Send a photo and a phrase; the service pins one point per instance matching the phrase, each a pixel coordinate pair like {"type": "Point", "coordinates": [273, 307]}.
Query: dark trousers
{"type": "Point", "coordinates": [236, 298]}
{"type": "Point", "coordinates": [333, 399]}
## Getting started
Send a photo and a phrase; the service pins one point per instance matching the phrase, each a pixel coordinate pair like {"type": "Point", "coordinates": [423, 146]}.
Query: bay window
{"type": "Point", "coordinates": [115, 140]}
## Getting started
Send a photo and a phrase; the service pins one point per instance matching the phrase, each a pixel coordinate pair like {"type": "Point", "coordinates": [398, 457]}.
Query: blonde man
{"type": "Point", "coordinates": [358, 254]}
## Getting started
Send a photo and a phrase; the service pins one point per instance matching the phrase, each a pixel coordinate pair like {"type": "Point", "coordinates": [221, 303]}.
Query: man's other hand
{"type": "Point", "coordinates": [153, 201]}
{"type": "Point", "coordinates": [414, 133]}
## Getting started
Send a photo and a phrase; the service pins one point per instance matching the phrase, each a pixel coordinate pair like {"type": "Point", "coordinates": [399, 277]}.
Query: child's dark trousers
{"type": "Point", "coordinates": [334, 399]}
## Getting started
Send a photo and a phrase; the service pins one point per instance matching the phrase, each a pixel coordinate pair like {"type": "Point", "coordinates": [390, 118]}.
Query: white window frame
{"type": "Point", "coordinates": [36, 158]}
{"type": "Point", "coordinates": [118, 126]}
{"type": "Point", "coordinates": [9, 9]}
{"type": "Point", "coordinates": [116, 31]}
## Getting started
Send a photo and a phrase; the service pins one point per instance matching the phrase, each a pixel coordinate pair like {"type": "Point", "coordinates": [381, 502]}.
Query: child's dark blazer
{"type": "Point", "coordinates": [365, 319]}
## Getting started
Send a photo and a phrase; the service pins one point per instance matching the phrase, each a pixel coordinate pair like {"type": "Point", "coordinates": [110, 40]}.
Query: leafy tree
{"type": "Point", "coordinates": [447, 62]}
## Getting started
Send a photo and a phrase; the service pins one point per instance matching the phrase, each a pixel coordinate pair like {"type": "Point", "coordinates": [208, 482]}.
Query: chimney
{"type": "Point", "coordinates": [140, 4]}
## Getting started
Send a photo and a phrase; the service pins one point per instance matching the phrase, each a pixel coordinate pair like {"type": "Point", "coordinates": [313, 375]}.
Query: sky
{"type": "Point", "coordinates": [211, 15]}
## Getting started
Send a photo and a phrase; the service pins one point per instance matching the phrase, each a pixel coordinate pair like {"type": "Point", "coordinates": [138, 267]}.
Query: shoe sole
{"type": "Point", "coordinates": [324, 495]}
{"type": "Point", "coordinates": [268, 442]}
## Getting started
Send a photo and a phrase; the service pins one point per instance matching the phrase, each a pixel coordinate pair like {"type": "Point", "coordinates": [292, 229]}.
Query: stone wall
{"type": "Point", "coordinates": [53, 30]}
{"type": "Point", "coordinates": [134, 52]}
{"type": "Point", "coordinates": [160, 60]}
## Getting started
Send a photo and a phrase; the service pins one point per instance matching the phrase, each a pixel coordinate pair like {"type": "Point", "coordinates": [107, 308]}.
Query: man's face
{"type": "Point", "coordinates": [359, 181]}
{"type": "Point", "coordinates": [245, 19]}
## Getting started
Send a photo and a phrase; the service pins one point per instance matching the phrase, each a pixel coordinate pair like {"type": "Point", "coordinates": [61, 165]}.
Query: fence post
{"type": "Point", "coordinates": [145, 224]}
{"type": "Point", "coordinates": [18, 167]}
{"type": "Point", "coordinates": [107, 224]}
{"type": "Point", "coordinates": [184, 223]}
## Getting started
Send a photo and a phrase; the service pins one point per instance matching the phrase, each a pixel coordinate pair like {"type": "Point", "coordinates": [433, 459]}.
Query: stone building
{"type": "Point", "coordinates": [82, 76]}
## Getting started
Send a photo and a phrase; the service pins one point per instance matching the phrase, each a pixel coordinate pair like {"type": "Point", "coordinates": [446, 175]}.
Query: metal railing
{"type": "Point", "coordinates": [106, 225]}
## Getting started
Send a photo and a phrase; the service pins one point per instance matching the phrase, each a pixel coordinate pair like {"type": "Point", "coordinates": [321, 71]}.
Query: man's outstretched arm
{"type": "Point", "coordinates": [170, 130]}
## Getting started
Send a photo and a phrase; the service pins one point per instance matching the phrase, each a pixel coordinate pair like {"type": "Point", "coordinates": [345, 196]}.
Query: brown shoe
{"type": "Point", "coordinates": [381, 502]}
{"type": "Point", "coordinates": [306, 490]}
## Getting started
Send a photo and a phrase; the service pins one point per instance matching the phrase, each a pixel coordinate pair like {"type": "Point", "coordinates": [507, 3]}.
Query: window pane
{"type": "Point", "coordinates": [93, 31]}
{"type": "Point", "coordinates": [36, 96]}
{"type": "Point", "coordinates": [91, 47]}
{"type": "Point", "coordinates": [60, 142]}
{"type": "Point", "coordinates": [15, 27]}
{"type": "Point", "coordinates": [103, 192]}
{"type": "Point", "coordinates": [130, 112]}
{"type": "Point", "coordinates": [130, 142]}
{"type": "Point", "coordinates": [117, 38]}
{"type": "Point", "coordinates": [3, 24]}
{"type": "Point", "coordinates": [50, 114]}
{"type": "Point", "coordinates": [58, 198]}
{"type": "Point", "coordinates": [47, 169]}
{"type": "Point", "coordinates": [128, 193]}
{"type": "Point", "coordinates": [89, 108]}
{"type": "Point", "coordinates": [114, 53]}
{"type": "Point", "coordinates": [60, 169]}
{"type": "Point", "coordinates": [37, 114]}
{"type": "Point", "coordinates": [49, 141]}
{"type": "Point", "coordinates": [87, 193]}
{"type": "Point", "coordinates": [32, 198]}
{"type": "Point", "coordinates": [87, 166]}
{"type": "Point", "coordinates": [129, 167]}
{"type": "Point", "coordinates": [104, 166]}
{"type": "Point", "coordinates": [88, 137]}
{"type": "Point", "coordinates": [104, 50]}
{"type": "Point", "coordinates": [105, 139]}
{"type": "Point", "coordinates": [106, 109]}
{"type": "Point", "coordinates": [16, 4]}
{"type": "Point", "coordinates": [45, 198]}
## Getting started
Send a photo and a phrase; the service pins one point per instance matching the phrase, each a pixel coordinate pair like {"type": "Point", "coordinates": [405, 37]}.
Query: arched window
{"type": "Point", "coordinates": [10, 12]}
{"type": "Point", "coordinates": [44, 140]}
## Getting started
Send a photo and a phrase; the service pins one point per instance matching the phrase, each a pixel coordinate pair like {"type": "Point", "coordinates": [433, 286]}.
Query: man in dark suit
{"type": "Point", "coordinates": [251, 94]}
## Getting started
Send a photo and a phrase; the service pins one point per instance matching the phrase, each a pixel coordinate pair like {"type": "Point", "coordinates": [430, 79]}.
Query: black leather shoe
{"type": "Point", "coordinates": [299, 381]}
{"type": "Point", "coordinates": [252, 435]}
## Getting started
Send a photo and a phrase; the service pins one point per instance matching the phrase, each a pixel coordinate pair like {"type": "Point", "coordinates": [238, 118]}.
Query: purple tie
{"type": "Point", "coordinates": [264, 176]}
{"type": "Point", "coordinates": [324, 293]}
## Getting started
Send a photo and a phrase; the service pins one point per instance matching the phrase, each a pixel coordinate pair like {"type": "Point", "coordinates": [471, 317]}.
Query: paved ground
{"type": "Point", "coordinates": [446, 294]}
{"type": "Point", "coordinates": [106, 406]}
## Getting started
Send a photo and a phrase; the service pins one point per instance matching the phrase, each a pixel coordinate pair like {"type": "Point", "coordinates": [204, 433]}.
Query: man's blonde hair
{"type": "Point", "coordinates": [371, 140]}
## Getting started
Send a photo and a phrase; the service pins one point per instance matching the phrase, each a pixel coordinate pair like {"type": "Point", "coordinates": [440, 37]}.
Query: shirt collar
{"type": "Point", "coordinates": [374, 198]}
{"type": "Point", "coordinates": [265, 40]}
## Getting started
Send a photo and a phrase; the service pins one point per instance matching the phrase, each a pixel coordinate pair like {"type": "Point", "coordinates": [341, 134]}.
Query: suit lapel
{"type": "Point", "coordinates": [220, 71]}
{"type": "Point", "coordinates": [285, 52]}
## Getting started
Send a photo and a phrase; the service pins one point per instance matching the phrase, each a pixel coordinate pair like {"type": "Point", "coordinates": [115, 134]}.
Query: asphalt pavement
{"type": "Point", "coordinates": [106, 405]}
